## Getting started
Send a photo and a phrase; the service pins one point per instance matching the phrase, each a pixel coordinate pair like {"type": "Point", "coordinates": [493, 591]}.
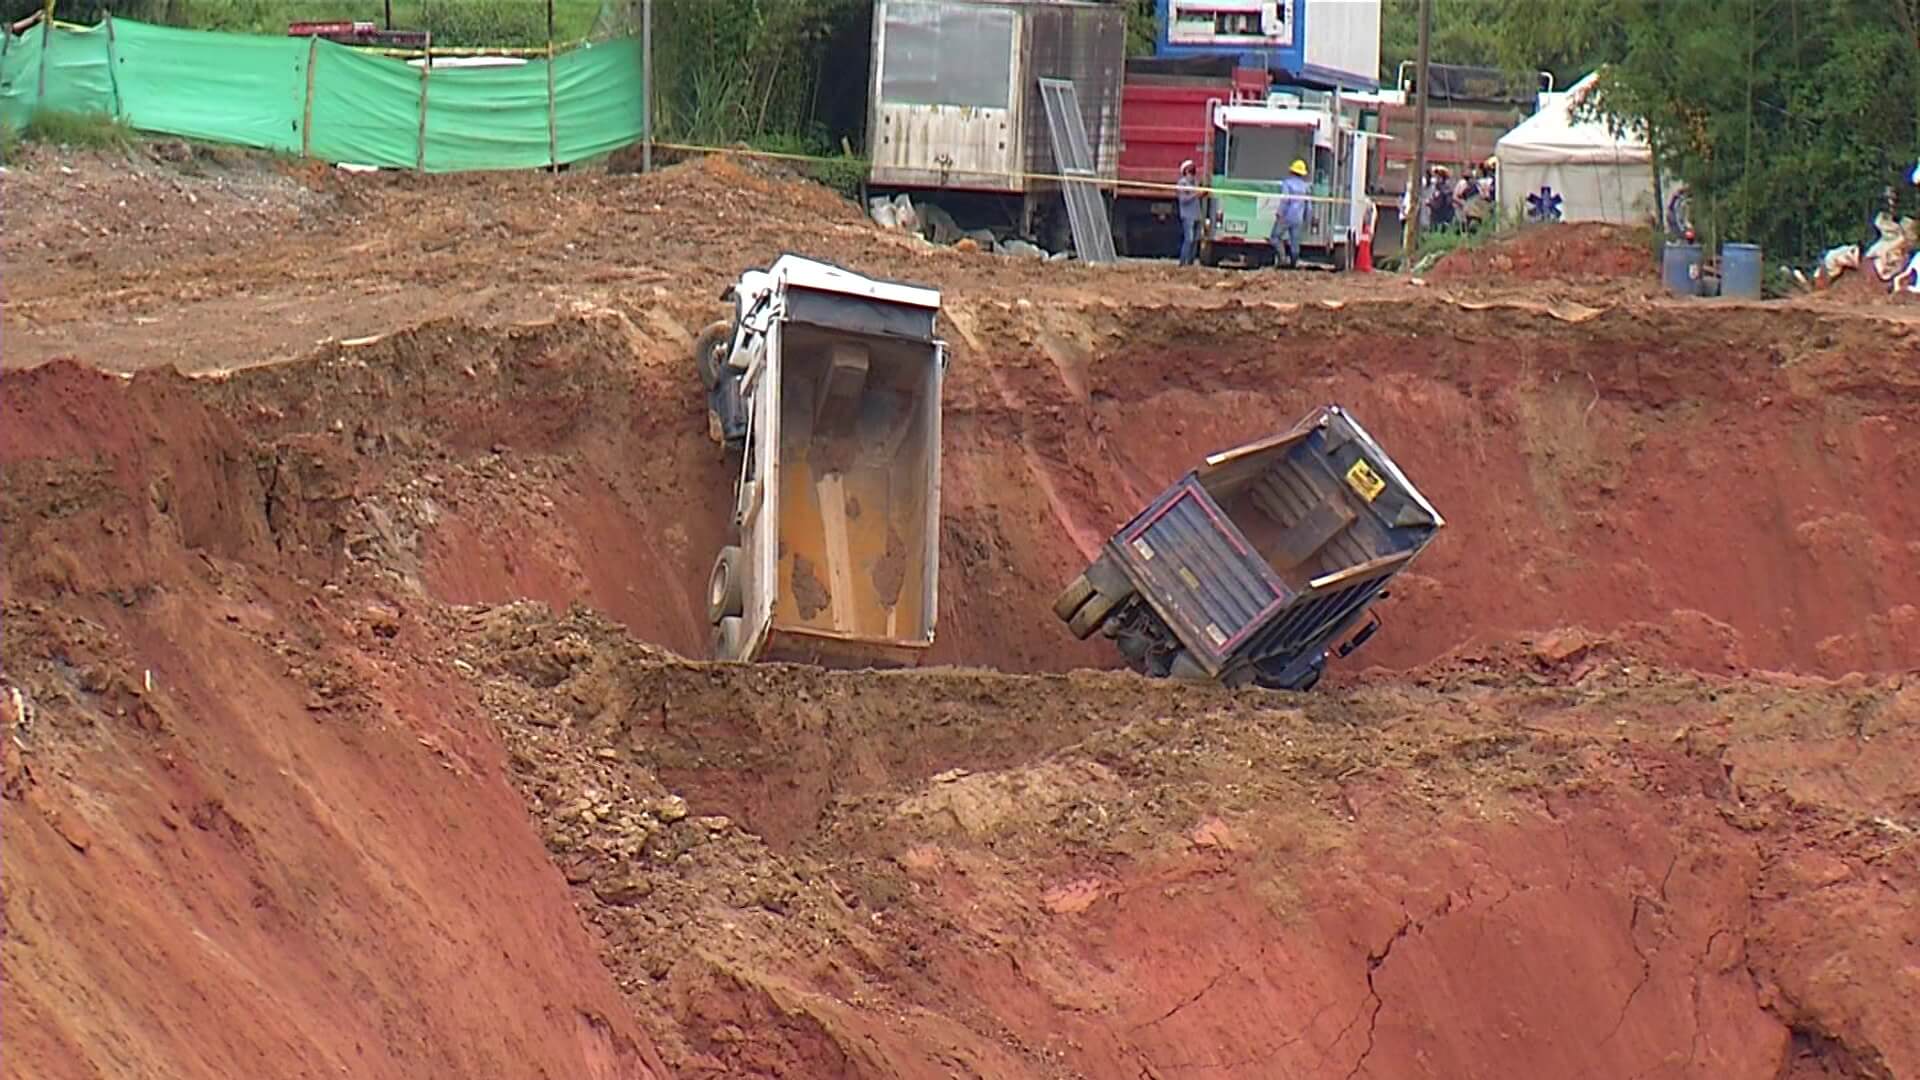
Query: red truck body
{"type": "Point", "coordinates": [1163, 121]}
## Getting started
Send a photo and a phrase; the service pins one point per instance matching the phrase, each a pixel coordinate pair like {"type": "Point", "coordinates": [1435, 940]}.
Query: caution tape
{"type": "Point", "coordinates": [1057, 178]}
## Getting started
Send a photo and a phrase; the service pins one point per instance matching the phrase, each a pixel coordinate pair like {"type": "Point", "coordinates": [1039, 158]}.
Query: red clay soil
{"type": "Point", "coordinates": [296, 783]}
{"type": "Point", "coordinates": [1711, 483]}
{"type": "Point", "coordinates": [1586, 250]}
{"type": "Point", "coordinates": [232, 847]}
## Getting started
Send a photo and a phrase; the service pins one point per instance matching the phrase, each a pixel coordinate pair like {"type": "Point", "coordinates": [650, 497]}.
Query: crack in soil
{"type": "Point", "coordinates": [1646, 971]}
{"type": "Point", "coordinates": [1231, 969]}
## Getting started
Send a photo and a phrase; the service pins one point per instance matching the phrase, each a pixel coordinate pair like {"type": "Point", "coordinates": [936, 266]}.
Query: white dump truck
{"type": "Point", "coordinates": [827, 384]}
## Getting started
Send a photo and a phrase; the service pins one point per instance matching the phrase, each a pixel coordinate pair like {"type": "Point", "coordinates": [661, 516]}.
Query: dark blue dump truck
{"type": "Point", "coordinates": [1257, 565]}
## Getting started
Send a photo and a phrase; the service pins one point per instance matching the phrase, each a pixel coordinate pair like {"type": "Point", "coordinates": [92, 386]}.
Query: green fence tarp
{"type": "Point", "coordinates": [366, 109]}
{"type": "Point", "coordinates": [597, 101]}
{"type": "Point", "coordinates": [475, 121]}
{"type": "Point", "coordinates": [235, 88]}
{"type": "Point", "coordinates": [352, 107]}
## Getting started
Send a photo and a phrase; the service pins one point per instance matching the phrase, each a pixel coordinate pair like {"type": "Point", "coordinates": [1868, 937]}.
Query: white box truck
{"type": "Point", "coordinates": [827, 384]}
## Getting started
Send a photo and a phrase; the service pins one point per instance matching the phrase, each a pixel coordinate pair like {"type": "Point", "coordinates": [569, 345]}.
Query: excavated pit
{"type": "Point", "coordinates": [1722, 488]}
{"type": "Point", "coordinates": [1589, 804]}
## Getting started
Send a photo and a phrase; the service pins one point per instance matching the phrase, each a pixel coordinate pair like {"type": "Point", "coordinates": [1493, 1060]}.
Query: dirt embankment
{"type": "Point", "coordinates": [903, 875]}
{"type": "Point", "coordinates": [1711, 486]}
{"type": "Point", "coordinates": [278, 804]}
{"type": "Point", "coordinates": [1587, 251]}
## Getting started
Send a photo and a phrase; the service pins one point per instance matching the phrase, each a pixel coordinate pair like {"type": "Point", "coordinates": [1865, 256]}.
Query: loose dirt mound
{"type": "Point", "coordinates": [1553, 253]}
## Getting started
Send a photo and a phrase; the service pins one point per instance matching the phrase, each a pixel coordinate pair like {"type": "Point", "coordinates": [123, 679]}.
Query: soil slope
{"type": "Point", "coordinates": [345, 734]}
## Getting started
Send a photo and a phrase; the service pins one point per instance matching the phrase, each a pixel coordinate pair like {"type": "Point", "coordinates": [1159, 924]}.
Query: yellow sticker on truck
{"type": "Point", "coordinates": [1364, 480]}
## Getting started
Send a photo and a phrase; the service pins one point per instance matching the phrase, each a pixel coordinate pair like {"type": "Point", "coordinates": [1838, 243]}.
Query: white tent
{"type": "Point", "coordinates": [1598, 175]}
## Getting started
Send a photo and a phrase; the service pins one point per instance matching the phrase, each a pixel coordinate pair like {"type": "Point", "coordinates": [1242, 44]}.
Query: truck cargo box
{"type": "Point", "coordinates": [828, 383]}
{"type": "Point", "coordinates": [955, 94]}
{"type": "Point", "coordinates": [1251, 567]}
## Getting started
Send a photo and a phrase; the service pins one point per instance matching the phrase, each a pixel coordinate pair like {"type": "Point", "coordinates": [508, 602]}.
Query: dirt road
{"type": "Point", "coordinates": [346, 733]}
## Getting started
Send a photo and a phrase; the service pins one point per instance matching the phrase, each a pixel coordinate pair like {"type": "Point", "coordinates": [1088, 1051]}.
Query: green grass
{"type": "Point", "coordinates": [836, 169]}
{"type": "Point", "coordinates": [455, 23]}
{"type": "Point", "coordinates": [88, 131]}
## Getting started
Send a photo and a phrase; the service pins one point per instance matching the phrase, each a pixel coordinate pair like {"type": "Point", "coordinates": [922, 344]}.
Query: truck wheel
{"type": "Point", "coordinates": [1092, 615]}
{"type": "Point", "coordinates": [1072, 597]}
{"type": "Point", "coordinates": [708, 352]}
{"type": "Point", "coordinates": [723, 586]}
{"type": "Point", "coordinates": [727, 635]}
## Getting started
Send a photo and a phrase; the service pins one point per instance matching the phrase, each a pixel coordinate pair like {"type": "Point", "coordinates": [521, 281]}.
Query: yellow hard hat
{"type": "Point", "coordinates": [1299, 167]}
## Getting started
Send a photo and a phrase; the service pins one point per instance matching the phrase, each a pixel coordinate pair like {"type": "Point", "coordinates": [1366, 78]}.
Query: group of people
{"type": "Point", "coordinates": [1449, 202]}
{"type": "Point", "coordinates": [1288, 221]}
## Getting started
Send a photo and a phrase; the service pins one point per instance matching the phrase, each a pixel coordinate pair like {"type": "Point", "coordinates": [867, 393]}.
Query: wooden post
{"type": "Point", "coordinates": [46, 46]}
{"type": "Point", "coordinates": [306, 113]}
{"type": "Point", "coordinates": [426, 70]}
{"type": "Point", "coordinates": [1410, 240]}
{"type": "Point", "coordinates": [113, 64]}
{"type": "Point", "coordinates": [553, 127]}
{"type": "Point", "coordinates": [646, 86]}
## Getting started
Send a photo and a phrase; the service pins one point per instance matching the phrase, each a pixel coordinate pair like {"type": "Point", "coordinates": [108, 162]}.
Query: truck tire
{"type": "Point", "coordinates": [708, 358]}
{"type": "Point", "coordinates": [1072, 597]}
{"type": "Point", "coordinates": [1092, 615]}
{"type": "Point", "coordinates": [727, 637]}
{"type": "Point", "coordinates": [723, 586]}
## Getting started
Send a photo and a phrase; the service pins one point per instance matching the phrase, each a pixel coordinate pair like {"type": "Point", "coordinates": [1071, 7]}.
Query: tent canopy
{"type": "Point", "coordinates": [1597, 175]}
{"type": "Point", "coordinates": [1553, 136]}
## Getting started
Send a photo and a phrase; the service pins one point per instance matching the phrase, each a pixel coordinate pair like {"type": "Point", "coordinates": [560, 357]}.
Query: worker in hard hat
{"type": "Point", "coordinates": [1291, 216]}
{"type": "Point", "coordinates": [1186, 192]}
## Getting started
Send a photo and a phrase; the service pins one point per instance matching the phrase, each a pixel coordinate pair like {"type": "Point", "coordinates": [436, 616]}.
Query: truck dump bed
{"type": "Point", "coordinates": [858, 451]}
{"type": "Point", "coordinates": [1268, 552]}
{"type": "Point", "coordinates": [831, 389]}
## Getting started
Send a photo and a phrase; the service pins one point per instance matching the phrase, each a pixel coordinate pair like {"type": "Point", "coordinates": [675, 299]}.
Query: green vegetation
{"type": "Point", "coordinates": [1786, 119]}
{"type": "Point", "coordinates": [57, 127]}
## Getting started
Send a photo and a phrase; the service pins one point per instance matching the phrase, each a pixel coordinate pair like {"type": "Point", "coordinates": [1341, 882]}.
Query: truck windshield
{"type": "Point", "coordinates": [1264, 153]}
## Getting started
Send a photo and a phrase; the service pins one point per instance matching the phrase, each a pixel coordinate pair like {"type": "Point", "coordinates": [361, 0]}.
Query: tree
{"type": "Point", "coordinates": [1787, 119]}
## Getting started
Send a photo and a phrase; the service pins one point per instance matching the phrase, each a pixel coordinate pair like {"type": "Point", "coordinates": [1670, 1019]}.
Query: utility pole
{"type": "Point", "coordinates": [1417, 180]}
{"type": "Point", "coordinates": [646, 85]}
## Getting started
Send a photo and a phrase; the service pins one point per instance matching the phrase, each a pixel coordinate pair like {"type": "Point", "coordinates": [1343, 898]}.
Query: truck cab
{"type": "Point", "coordinates": [1254, 144]}
{"type": "Point", "coordinates": [827, 385]}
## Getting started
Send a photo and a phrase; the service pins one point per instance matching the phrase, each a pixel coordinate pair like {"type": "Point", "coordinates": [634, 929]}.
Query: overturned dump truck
{"type": "Point", "coordinates": [1251, 567]}
{"type": "Point", "coordinates": [827, 384]}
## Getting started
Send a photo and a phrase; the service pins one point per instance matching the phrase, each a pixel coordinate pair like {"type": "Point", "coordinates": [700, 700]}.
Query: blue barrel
{"type": "Point", "coordinates": [1740, 271]}
{"type": "Point", "coordinates": [1680, 268]}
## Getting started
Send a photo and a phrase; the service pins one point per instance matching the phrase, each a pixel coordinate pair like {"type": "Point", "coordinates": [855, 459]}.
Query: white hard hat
{"type": "Point", "coordinates": [1188, 164]}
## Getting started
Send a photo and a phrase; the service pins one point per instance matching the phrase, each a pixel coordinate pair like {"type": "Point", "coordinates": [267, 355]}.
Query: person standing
{"type": "Point", "coordinates": [1440, 204]}
{"type": "Point", "coordinates": [1291, 216]}
{"type": "Point", "coordinates": [1187, 194]}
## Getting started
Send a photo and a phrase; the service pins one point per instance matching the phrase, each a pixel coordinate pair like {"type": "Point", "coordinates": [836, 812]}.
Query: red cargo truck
{"type": "Point", "coordinates": [1163, 121]}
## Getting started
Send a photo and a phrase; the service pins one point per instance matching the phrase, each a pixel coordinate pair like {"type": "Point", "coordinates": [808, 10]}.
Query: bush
{"type": "Point", "coordinates": [479, 23]}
